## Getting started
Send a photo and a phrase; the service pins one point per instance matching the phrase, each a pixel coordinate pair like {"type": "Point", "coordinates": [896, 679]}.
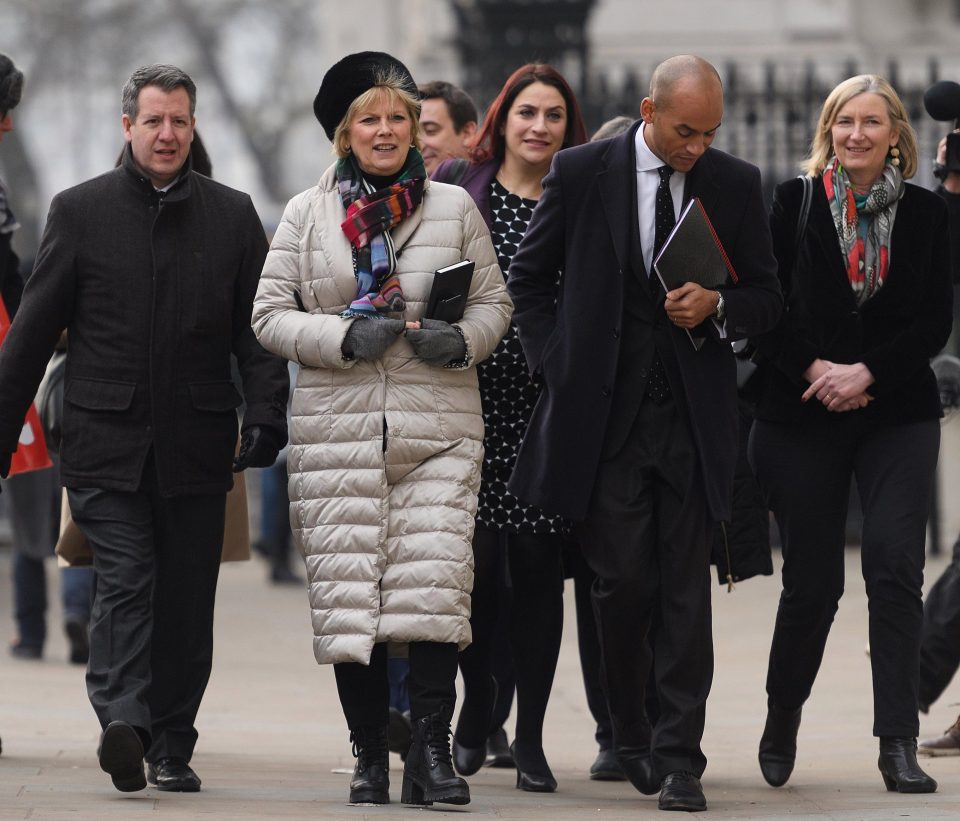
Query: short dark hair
{"type": "Point", "coordinates": [460, 105]}
{"type": "Point", "coordinates": [491, 144]}
{"type": "Point", "coordinates": [11, 85]}
{"type": "Point", "coordinates": [166, 77]}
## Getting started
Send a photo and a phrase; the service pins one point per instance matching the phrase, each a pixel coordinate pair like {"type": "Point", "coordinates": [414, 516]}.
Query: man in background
{"type": "Point", "coordinates": [448, 123]}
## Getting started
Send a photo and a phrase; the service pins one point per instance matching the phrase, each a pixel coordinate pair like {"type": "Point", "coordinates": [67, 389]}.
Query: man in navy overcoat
{"type": "Point", "coordinates": [635, 433]}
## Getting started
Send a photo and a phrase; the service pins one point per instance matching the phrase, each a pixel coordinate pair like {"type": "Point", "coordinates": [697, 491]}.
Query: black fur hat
{"type": "Point", "coordinates": [11, 84]}
{"type": "Point", "coordinates": [348, 79]}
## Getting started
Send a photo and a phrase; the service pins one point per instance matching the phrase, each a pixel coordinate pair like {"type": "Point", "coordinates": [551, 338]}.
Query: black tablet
{"type": "Point", "coordinates": [448, 296]}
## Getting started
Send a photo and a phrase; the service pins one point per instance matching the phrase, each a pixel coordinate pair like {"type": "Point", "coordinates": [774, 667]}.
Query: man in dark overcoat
{"type": "Point", "coordinates": [634, 436]}
{"type": "Point", "coordinates": [152, 270]}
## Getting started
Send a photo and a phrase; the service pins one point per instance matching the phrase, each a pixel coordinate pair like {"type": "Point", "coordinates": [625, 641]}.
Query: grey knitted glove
{"type": "Point", "coordinates": [368, 338]}
{"type": "Point", "coordinates": [437, 342]}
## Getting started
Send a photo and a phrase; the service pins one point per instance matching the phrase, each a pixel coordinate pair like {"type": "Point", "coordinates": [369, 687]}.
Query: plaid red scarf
{"type": "Point", "coordinates": [370, 216]}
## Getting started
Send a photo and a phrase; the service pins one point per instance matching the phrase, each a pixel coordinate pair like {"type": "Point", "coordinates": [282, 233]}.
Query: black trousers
{"type": "Point", "coordinates": [364, 689]}
{"type": "Point", "coordinates": [804, 472]}
{"type": "Point", "coordinates": [576, 567]}
{"type": "Point", "coordinates": [647, 537]}
{"type": "Point", "coordinates": [940, 639]}
{"type": "Point", "coordinates": [151, 629]}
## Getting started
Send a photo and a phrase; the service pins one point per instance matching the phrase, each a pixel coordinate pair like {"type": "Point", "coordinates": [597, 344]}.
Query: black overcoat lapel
{"type": "Point", "coordinates": [613, 182]}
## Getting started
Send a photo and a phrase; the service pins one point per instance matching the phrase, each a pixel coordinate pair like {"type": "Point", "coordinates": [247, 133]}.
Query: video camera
{"type": "Point", "coordinates": [942, 101]}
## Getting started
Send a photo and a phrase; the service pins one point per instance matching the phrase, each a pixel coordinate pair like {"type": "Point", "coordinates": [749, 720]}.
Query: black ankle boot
{"type": "Point", "coordinates": [533, 772]}
{"type": "Point", "coordinates": [899, 768]}
{"type": "Point", "coordinates": [428, 775]}
{"type": "Point", "coordinates": [778, 744]}
{"type": "Point", "coordinates": [371, 776]}
{"type": "Point", "coordinates": [468, 760]}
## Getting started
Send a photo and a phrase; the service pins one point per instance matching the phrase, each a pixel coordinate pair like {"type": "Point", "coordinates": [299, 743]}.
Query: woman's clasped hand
{"type": "Point", "coordinates": [839, 387]}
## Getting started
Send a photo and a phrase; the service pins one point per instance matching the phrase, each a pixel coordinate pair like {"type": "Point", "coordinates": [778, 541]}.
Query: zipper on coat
{"type": "Point", "coordinates": [726, 548]}
{"type": "Point", "coordinates": [153, 320]}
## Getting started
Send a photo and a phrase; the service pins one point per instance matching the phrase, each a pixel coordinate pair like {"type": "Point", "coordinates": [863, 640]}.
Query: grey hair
{"type": "Point", "coordinates": [612, 128]}
{"type": "Point", "coordinates": [166, 77]}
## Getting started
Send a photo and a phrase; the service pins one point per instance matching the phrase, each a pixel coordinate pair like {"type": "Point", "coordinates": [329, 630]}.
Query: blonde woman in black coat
{"type": "Point", "coordinates": [850, 394]}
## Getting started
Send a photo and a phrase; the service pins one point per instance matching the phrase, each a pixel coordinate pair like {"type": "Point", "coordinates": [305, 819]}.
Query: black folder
{"type": "Point", "coordinates": [448, 296]}
{"type": "Point", "coordinates": [693, 253]}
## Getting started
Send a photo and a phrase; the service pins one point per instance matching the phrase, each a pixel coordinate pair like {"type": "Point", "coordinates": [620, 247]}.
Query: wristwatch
{"type": "Point", "coordinates": [721, 313]}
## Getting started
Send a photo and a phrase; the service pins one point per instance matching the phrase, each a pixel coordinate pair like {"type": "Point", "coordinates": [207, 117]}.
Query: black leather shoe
{"type": "Point", "coordinates": [899, 768]}
{"type": "Point", "coordinates": [398, 733]}
{"type": "Point", "coordinates": [173, 775]}
{"type": "Point", "coordinates": [682, 791]}
{"type": "Point", "coordinates": [282, 573]}
{"type": "Point", "coordinates": [636, 766]}
{"type": "Point", "coordinates": [31, 652]}
{"type": "Point", "coordinates": [533, 772]}
{"type": "Point", "coordinates": [120, 753]}
{"type": "Point", "coordinates": [498, 751]}
{"type": "Point", "coordinates": [605, 767]}
{"type": "Point", "coordinates": [468, 760]}
{"type": "Point", "coordinates": [371, 774]}
{"type": "Point", "coordinates": [778, 745]}
{"type": "Point", "coordinates": [78, 636]}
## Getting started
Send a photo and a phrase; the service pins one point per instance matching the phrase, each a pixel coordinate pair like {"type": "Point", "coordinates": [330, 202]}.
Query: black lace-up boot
{"type": "Point", "coordinates": [428, 775]}
{"type": "Point", "coordinates": [371, 776]}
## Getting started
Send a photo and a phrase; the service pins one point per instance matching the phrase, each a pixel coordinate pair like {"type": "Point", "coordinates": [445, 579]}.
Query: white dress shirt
{"type": "Point", "coordinates": [648, 181]}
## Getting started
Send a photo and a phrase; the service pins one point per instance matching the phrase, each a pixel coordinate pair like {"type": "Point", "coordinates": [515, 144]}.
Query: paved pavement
{"type": "Point", "coordinates": [273, 742]}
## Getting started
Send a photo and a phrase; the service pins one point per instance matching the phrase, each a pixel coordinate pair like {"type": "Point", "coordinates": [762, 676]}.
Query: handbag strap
{"type": "Point", "coordinates": [804, 213]}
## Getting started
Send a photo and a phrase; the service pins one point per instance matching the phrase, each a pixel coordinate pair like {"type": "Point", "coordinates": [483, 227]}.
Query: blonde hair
{"type": "Point", "coordinates": [390, 85]}
{"type": "Point", "coordinates": [821, 148]}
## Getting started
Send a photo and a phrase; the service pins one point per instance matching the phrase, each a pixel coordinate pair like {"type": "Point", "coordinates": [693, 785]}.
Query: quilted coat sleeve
{"type": "Point", "coordinates": [281, 325]}
{"type": "Point", "coordinates": [487, 315]}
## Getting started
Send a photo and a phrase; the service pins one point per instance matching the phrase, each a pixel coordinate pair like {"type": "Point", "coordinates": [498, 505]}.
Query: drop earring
{"type": "Point", "coordinates": [894, 155]}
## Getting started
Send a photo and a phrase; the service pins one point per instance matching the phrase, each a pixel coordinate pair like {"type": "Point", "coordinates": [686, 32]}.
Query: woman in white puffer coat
{"type": "Point", "coordinates": [386, 437]}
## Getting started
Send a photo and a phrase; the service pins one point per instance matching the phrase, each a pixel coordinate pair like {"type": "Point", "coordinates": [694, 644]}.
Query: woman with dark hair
{"type": "Point", "coordinates": [849, 393]}
{"type": "Point", "coordinates": [385, 441]}
{"type": "Point", "coordinates": [534, 116]}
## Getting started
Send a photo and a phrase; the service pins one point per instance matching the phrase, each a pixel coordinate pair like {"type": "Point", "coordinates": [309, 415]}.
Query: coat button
{"type": "Point", "coordinates": [605, 390]}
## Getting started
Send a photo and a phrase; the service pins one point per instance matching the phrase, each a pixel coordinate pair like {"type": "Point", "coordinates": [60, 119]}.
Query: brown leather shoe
{"type": "Point", "coordinates": [947, 744]}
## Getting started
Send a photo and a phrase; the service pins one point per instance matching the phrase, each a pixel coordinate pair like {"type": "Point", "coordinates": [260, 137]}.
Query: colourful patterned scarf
{"type": "Point", "coordinates": [370, 216]}
{"type": "Point", "coordinates": [864, 227]}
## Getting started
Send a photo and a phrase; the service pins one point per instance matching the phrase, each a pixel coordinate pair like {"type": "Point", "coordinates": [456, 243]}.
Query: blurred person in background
{"type": "Point", "coordinates": [152, 269]}
{"type": "Point", "coordinates": [11, 283]}
{"type": "Point", "coordinates": [533, 117]}
{"type": "Point", "coordinates": [448, 123]}
{"type": "Point", "coordinates": [35, 496]}
{"type": "Point", "coordinates": [387, 431]}
{"type": "Point", "coordinates": [849, 392]}
{"type": "Point", "coordinates": [612, 128]}
{"type": "Point", "coordinates": [940, 639]}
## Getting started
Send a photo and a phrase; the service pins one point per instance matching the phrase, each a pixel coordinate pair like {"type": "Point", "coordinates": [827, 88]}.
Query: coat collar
{"type": "Point", "coordinates": [179, 191]}
{"type": "Point", "coordinates": [613, 179]}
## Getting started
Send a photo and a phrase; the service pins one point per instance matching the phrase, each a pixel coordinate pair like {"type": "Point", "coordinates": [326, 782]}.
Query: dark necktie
{"type": "Point", "coordinates": [664, 218]}
{"type": "Point", "coordinates": [658, 388]}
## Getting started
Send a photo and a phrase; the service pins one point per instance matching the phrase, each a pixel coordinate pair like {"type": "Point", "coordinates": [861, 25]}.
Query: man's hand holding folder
{"type": "Point", "coordinates": [691, 266]}
{"type": "Point", "coordinates": [690, 304]}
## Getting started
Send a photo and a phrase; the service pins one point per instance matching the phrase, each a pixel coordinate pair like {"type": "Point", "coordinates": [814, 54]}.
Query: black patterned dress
{"type": "Point", "coordinates": [507, 392]}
